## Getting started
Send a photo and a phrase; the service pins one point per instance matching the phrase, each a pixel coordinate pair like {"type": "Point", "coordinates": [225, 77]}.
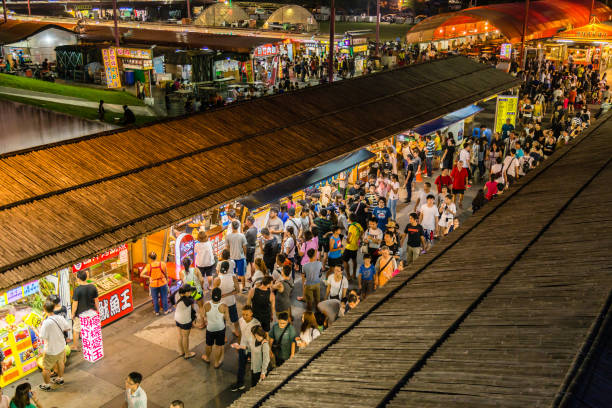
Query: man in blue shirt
{"type": "Point", "coordinates": [381, 213]}
{"type": "Point", "coordinates": [506, 129]}
{"type": "Point", "coordinates": [366, 276]}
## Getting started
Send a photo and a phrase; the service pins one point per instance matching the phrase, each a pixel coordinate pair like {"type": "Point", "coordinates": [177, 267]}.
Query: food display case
{"type": "Point", "coordinates": [21, 313]}
{"type": "Point", "coordinates": [110, 273]}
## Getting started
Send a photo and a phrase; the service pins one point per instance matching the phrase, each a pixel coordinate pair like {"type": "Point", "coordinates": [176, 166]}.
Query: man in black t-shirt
{"type": "Point", "coordinates": [84, 298]}
{"type": "Point", "coordinates": [416, 239]}
{"type": "Point", "coordinates": [360, 209]}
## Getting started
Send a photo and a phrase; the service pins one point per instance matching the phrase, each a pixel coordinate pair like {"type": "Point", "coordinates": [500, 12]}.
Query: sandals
{"type": "Point", "coordinates": [189, 356]}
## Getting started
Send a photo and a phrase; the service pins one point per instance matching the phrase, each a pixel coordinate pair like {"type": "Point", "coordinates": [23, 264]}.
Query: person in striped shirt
{"type": "Point", "coordinates": [430, 149]}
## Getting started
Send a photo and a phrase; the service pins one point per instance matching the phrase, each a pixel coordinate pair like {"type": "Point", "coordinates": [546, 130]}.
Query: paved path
{"type": "Point", "coordinates": [69, 100]}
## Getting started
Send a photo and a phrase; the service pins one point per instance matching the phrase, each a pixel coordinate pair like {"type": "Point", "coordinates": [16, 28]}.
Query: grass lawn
{"type": "Point", "coordinates": [388, 32]}
{"type": "Point", "coordinates": [90, 94]}
{"type": "Point", "coordinates": [79, 111]}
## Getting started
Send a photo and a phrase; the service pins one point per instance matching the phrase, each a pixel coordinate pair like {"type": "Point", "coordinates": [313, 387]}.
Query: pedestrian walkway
{"type": "Point", "coordinates": [68, 100]}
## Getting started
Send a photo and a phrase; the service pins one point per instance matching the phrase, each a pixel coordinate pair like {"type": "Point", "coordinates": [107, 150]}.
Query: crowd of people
{"type": "Point", "coordinates": [343, 241]}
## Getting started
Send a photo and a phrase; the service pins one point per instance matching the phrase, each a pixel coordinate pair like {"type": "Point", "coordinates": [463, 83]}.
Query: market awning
{"type": "Point", "coordinates": [546, 18]}
{"type": "Point", "coordinates": [15, 31]}
{"type": "Point", "coordinates": [62, 203]}
{"type": "Point", "coordinates": [447, 120]}
{"type": "Point", "coordinates": [292, 185]}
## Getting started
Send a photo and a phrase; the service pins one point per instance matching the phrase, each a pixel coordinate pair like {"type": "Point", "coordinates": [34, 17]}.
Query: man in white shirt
{"type": "Point", "coordinates": [510, 168]}
{"type": "Point", "coordinates": [429, 220]}
{"type": "Point", "coordinates": [464, 158]}
{"type": "Point", "coordinates": [294, 222]}
{"type": "Point", "coordinates": [231, 216]}
{"type": "Point", "coordinates": [135, 397]}
{"type": "Point", "coordinates": [245, 343]}
{"type": "Point", "coordinates": [52, 333]}
{"type": "Point", "coordinates": [422, 197]}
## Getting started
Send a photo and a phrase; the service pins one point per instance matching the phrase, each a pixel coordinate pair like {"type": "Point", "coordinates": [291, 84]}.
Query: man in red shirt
{"type": "Point", "coordinates": [459, 176]}
{"type": "Point", "coordinates": [444, 180]}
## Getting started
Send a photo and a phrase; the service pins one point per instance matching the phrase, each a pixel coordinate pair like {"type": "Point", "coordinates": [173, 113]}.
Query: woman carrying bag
{"type": "Point", "coordinates": [385, 267]}
{"type": "Point", "coordinates": [193, 277]}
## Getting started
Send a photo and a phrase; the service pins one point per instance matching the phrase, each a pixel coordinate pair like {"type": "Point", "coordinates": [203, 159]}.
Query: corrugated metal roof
{"type": "Point", "coordinates": [66, 202]}
{"type": "Point", "coordinates": [190, 39]}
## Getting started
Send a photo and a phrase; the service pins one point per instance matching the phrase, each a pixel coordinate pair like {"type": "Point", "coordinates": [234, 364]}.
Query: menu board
{"type": "Point", "coordinates": [111, 68]}
{"type": "Point", "coordinates": [506, 51]}
{"type": "Point", "coordinates": [218, 243]}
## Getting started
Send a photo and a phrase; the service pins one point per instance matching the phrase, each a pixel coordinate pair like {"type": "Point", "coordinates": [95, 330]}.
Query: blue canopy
{"type": "Point", "coordinates": [445, 121]}
{"type": "Point", "coordinates": [294, 184]}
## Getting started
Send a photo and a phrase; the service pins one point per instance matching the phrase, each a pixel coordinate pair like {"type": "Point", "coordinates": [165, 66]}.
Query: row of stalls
{"type": "Point", "coordinates": [116, 272]}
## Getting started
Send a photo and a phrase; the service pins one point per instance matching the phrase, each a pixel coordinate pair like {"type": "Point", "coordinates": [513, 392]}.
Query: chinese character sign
{"type": "Point", "coordinates": [111, 68]}
{"type": "Point", "coordinates": [115, 304]}
{"type": "Point", "coordinates": [91, 336]}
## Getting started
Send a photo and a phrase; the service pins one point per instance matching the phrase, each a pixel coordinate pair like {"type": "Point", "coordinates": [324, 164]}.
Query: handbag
{"type": "Point", "coordinates": [276, 346]}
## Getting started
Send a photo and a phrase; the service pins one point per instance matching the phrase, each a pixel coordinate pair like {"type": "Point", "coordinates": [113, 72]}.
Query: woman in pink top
{"type": "Point", "coordinates": [310, 241]}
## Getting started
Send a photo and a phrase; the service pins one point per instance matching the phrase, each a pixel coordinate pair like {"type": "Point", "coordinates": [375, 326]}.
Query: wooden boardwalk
{"type": "Point", "coordinates": [499, 315]}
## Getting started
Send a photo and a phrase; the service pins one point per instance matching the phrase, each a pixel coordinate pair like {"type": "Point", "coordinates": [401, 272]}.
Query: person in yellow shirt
{"type": "Point", "coordinates": [355, 231]}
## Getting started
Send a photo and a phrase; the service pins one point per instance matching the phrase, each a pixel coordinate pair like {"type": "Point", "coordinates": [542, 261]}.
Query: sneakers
{"type": "Point", "coordinates": [45, 387]}
{"type": "Point", "coordinates": [238, 387]}
{"type": "Point", "coordinates": [58, 381]}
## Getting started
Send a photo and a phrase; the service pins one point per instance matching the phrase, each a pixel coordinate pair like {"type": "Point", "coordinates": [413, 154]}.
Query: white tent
{"type": "Point", "coordinates": [293, 15]}
{"type": "Point", "coordinates": [221, 14]}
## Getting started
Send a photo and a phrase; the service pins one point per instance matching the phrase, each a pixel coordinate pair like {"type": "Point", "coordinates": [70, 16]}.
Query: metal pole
{"type": "Point", "coordinates": [189, 11]}
{"type": "Point", "coordinates": [29, 11]}
{"type": "Point", "coordinates": [591, 12]}
{"type": "Point", "coordinates": [4, 10]}
{"type": "Point", "coordinates": [377, 28]}
{"type": "Point", "coordinates": [332, 40]}
{"type": "Point", "coordinates": [523, 50]}
{"type": "Point", "coordinates": [116, 26]}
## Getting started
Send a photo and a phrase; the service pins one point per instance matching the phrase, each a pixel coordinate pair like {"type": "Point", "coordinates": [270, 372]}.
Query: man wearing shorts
{"type": "Point", "coordinates": [84, 298]}
{"type": "Point", "coordinates": [205, 257]}
{"type": "Point", "coordinates": [459, 176]}
{"type": "Point", "coordinates": [216, 316]}
{"type": "Point", "coordinates": [237, 244]}
{"type": "Point", "coordinates": [52, 332]}
{"type": "Point", "coordinates": [428, 219]}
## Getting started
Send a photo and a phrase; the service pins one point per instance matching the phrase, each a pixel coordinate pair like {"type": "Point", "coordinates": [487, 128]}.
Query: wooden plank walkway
{"type": "Point", "coordinates": [497, 320]}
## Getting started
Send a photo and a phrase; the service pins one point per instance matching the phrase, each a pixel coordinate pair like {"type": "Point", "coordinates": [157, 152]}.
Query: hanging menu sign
{"type": "Point", "coordinates": [111, 68]}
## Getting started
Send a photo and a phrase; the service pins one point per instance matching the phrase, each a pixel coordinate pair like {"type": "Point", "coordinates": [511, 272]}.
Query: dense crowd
{"type": "Point", "coordinates": [343, 240]}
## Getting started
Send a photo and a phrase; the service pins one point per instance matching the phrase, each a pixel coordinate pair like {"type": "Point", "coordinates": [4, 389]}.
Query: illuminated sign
{"type": "Point", "coordinates": [115, 304]}
{"type": "Point", "coordinates": [133, 53]}
{"type": "Point", "coordinates": [506, 108]}
{"type": "Point", "coordinates": [120, 252]}
{"type": "Point", "coordinates": [506, 51]}
{"type": "Point", "coordinates": [183, 248]}
{"type": "Point", "coordinates": [91, 336]}
{"type": "Point", "coordinates": [361, 48]}
{"type": "Point", "coordinates": [266, 50]}
{"type": "Point", "coordinates": [111, 69]}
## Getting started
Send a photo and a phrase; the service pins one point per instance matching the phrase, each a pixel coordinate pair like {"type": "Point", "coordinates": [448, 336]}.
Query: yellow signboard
{"type": "Point", "coordinates": [360, 48]}
{"type": "Point", "coordinates": [506, 108]}
{"type": "Point", "coordinates": [111, 68]}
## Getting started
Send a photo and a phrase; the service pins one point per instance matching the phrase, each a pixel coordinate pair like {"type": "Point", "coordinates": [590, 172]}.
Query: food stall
{"type": "Point", "coordinates": [21, 313]}
{"type": "Point", "coordinates": [110, 272]}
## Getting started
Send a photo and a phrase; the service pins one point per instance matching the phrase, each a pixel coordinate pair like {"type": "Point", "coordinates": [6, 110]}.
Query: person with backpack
{"type": "Point", "coordinates": [283, 288]}
{"type": "Point", "coordinates": [269, 247]}
{"type": "Point", "coordinates": [184, 316]}
{"type": "Point", "coordinates": [193, 277]}
{"type": "Point", "coordinates": [158, 282]}
{"type": "Point", "coordinates": [52, 333]}
{"type": "Point", "coordinates": [282, 339]}
{"type": "Point", "coordinates": [510, 171]}
{"type": "Point", "coordinates": [261, 298]}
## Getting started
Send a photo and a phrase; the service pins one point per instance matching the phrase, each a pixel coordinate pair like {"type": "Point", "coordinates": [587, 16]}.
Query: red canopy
{"type": "Point", "coordinates": [546, 18]}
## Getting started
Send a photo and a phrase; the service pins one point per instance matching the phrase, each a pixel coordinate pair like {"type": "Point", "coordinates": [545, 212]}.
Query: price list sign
{"type": "Point", "coordinates": [111, 68]}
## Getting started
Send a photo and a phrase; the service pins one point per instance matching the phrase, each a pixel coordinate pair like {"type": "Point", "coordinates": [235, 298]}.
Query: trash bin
{"type": "Point", "coordinates": [129, 78]}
